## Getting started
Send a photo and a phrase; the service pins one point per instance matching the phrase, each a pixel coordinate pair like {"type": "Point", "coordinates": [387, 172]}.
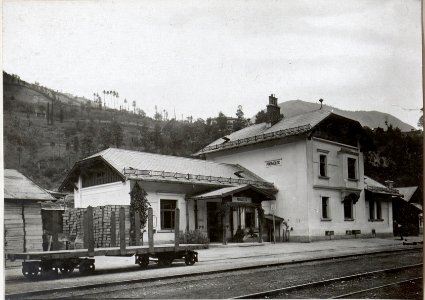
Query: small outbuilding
{"type": "Point", "coordinates": [23, 228]}
{"type": "Point", "coordinates": [407, 211]}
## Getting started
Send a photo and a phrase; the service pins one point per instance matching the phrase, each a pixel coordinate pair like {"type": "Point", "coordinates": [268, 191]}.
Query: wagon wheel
{"type": "Point", "coordinates": [87, 268]}
{"type": "Point", "coordinates": [66, 269]}
{"type": "Point", "coordinates": [189, 259]}
{"type": "Point", "coordinates": [49, 271]}
{"type": "Point", "coordinates": [143, 261]}
{"type": "Point", "coordinates": [30, 271]}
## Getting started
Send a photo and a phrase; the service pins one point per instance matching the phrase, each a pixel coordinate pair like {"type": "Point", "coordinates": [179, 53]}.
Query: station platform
{"type": "Point", "coordinates": [237, 255]}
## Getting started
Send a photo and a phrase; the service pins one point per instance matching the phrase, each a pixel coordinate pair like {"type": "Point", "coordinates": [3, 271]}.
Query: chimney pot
{"type": "Point", "coordinates": [389, 184]}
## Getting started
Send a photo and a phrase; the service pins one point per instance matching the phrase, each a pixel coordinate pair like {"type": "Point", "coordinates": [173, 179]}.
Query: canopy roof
{"type": "Point", "coordinates": [229, 191]}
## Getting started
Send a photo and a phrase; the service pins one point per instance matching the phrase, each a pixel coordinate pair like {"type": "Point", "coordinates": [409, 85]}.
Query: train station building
{"type": "Point", "coordinates": [302, 175]}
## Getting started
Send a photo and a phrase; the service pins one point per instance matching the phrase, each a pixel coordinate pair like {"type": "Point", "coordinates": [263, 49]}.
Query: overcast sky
{"type": "Point", "coordinates": [202, 57]}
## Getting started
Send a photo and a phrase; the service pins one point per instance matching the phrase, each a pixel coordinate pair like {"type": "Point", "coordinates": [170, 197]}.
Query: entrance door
{"type": "Point", "coordinates": [214, 222]}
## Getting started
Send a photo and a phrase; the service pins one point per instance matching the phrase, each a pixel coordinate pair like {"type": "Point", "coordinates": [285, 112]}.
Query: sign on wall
{"type": "Point", "coordinates": [241, 199]}
{"type": "Point", "coordinates": [274, 163]}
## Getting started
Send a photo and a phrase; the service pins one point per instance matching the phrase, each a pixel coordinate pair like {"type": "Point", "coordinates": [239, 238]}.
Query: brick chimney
{"type": "Point", "coordinates": [273, 111]}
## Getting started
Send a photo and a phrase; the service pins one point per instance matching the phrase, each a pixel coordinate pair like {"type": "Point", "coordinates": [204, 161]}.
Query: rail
{"type": "Point", "coordinates": [274, 292]}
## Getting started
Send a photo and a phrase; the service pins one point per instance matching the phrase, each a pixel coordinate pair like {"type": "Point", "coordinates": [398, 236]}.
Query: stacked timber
{"type": "Point", "coordinates": [23, 229]}
{"type": "Point", "coordinates": [33, 226]}
{"type": "Point", "coordinates": [103, 225]}
{"type": "Point", "coordinates": [13, 229]}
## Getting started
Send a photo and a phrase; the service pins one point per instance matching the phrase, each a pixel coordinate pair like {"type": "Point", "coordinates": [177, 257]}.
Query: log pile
{"type": "Point", "coordinates": [73, 225]}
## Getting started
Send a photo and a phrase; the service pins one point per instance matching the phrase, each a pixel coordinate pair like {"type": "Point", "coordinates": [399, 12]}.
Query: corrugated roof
{"type": "Point", "coordinates": [122, 159]}
{"type": "Point", "coordinates": [407, 192]}
{"type": "Point", "coordinates": [287, 127]}
{"type": "Point", "coordinates": [17, 186]}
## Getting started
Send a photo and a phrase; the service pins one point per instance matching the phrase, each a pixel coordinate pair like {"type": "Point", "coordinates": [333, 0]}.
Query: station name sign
{"type": "Point", "coordinates": [274, 163]}
{"type": "Point", "coordinates": [241, 199]}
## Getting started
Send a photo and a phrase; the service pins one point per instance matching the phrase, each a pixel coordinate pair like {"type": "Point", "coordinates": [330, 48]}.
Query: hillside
{"type": "Point", "coordinates": [46, 132]}
{"type": "Point", "coordinates": [371, 119]}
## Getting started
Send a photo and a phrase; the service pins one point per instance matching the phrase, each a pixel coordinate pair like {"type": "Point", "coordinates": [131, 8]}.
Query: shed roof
{"type": "Point", "coordinates": [253, 134]}
{"type": "Point", "coordinates": [18, 186]}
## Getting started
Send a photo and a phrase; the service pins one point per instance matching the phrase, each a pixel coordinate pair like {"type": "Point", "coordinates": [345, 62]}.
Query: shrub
{"type": "Point", "coordinates": [194, 237]}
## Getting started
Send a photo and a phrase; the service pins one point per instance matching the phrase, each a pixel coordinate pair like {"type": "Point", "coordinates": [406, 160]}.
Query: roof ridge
{"type": "Point", "coordinates": [175, 157]}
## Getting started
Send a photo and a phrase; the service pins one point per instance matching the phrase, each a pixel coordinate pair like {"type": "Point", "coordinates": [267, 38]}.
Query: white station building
{"type": "Point", "coordinates": [304, 172]}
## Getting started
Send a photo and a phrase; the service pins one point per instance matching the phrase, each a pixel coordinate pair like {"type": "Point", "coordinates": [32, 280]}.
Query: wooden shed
{"type": "Point", "coordinates": [23, 229]}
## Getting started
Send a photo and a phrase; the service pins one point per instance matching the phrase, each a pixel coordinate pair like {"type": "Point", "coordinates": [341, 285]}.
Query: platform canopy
{"type": "Point", "coordinates": [234, 191]}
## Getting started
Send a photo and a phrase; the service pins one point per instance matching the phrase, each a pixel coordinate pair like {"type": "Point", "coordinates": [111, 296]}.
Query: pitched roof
{"type": "Point", "coordinates": [260, 132]}
{"type": "Point", "coordinates": [377, 187]}
{"type": "Point", "coordinates": [17, 186]}
{"type": "Point", "coordinates": [407, 192]}
{"type": "Point", "coordinates": [157, 167]}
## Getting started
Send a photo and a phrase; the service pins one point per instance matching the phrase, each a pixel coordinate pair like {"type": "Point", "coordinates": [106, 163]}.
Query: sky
{"type": "Point", "coordinates": [202, 57]}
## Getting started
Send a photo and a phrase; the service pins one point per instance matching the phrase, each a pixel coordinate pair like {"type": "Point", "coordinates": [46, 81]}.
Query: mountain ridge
{"type": "Point", "coordinates": [371, 119]}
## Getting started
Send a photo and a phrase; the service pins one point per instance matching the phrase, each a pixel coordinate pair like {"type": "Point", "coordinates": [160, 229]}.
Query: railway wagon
{"type": "Point", "coordinates": [48, 263]}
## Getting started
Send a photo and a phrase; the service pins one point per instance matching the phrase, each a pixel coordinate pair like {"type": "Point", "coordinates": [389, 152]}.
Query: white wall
{"type": "Point", "coordinates": [116, 193]}
{"type": "Point", "coordinates": [154, 197]}
{"type": "Point", "coordinates": [290, 177]}
{"type": "Point", "coordinates": [300, 186]}
{"type": "Point", "coordinates": [334, 187]}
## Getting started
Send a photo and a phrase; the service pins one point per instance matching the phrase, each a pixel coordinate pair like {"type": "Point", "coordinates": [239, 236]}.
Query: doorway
{"type": "Point", "coordinates": [214, 222]}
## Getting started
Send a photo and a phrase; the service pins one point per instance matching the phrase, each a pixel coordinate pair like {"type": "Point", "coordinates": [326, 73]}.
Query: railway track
{"type": "Point", "coordinates": [324, 286]}
{"type": "Point", "coordinates": [99, 288]}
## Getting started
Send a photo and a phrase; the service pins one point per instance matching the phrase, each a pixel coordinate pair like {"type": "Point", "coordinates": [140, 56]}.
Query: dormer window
{"type": "Point", "coordinates": [239, 174]}
{"type": "Point", "coordinates": [226, 139]}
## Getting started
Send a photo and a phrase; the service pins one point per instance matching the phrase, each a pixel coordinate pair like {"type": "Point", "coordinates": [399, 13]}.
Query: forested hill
{"type": "Point", "coordinates": [46, 131]}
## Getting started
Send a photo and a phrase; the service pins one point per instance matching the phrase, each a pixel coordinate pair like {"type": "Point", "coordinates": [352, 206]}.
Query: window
{"type": "Point", "coordinates": [378, 210]}
{"type": "Point", "coordinates": [325, 208]}
{"type": "Point", "coordinates": [168, 214]}
{"type": "Point", "coordinates": [322, 165]}
{"type": "Point", "coordinates": [375, 210]}
{"type": "Point", "coordinates": [351, 165]}
{"type": "Point", "coordinates": [348, 209]}
{"type": "Point", "coordinates": [371, 209]}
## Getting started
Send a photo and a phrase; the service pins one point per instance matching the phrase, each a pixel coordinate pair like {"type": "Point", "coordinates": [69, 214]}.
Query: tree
{"type": "Point", "coordinates": [222, 122]}
{"type": "Point", "coordinates": [134, 106]}
{"type": "Point", "coordinates": [52, 144]}
{"type": "Point", "coordinates": [261, 117]}
{"type": "Point", "coordinates": [241, 121]}
{"type": "Point", "coordinates": [61, 115]}
{"type": "Point", "coordinates": [139, 204]}
{"type": "Point", "coordinates": [116, 133]}
{"type": "Point", "coordinates": [76, 144]}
